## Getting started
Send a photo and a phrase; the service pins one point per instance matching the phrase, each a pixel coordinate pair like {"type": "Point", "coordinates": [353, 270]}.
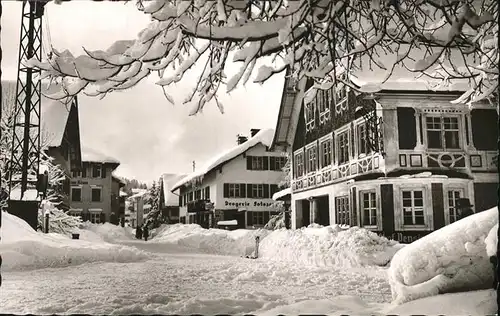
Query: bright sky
{"type": "Point", "coordinates": [138, 126]}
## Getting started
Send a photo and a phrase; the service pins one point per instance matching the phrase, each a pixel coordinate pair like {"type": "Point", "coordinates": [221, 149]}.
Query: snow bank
{"type": "Point", "coordinates": [23, 248]}
{"type": "Point", "coordinates": [239, 242]}
{"type": "Point", "coordinates": [106, 232]}
{"type": "Point", "coordinates": [450, 259]}
{"type": "Point", "coordinates": [329, 246]}
{"type": "Point", "coordinates": [324, 246]}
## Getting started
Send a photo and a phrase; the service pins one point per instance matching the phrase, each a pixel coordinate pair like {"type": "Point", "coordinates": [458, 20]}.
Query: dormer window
{"type": "Point", "coordinates": [323, 98]}
{"type": "Point", "coordinates": [310, 114]}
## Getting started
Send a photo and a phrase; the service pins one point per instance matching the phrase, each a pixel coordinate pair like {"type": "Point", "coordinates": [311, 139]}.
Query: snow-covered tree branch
{"type": "Point", "coordinates": [327, 41]}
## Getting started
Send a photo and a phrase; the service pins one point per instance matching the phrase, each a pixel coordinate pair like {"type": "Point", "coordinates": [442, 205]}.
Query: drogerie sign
{"type": "Point", "coordinates": [248, 204]}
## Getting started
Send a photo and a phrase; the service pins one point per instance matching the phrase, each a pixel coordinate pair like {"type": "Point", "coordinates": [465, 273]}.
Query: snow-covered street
{"type": "Point", "coordinates": [179, 280]}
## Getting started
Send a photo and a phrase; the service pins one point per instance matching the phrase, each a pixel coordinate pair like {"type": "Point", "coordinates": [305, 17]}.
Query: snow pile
{"type": "Point", "coordinates": [239, 242]}
{"type": "Point", "coordinates": [107, 232]}
{"type": "Point", "coordinates": [450, 259]}
{"type": "Point", "coordinates": [491, 241]}
{"type": "Point", "coordinates": [329, 246]}
{"type": "Point", "coordinates": [264, 137]}
{"type": "Point", "coordinates": [24, 248]}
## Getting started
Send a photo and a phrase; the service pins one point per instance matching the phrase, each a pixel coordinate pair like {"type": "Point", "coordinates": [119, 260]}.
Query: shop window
{"type": "Point", "coordinates": [342, 210]}
{"type": "Point", "coordinates": [369, 208]}
{"type": "Point", "coordinates": [413, 207]}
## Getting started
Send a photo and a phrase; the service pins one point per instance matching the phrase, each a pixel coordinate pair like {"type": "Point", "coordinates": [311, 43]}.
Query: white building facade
{"type": "Point", "coordinates": [237, 185]}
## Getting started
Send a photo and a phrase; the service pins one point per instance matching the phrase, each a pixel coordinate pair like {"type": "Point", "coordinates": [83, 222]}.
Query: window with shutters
{"type": "Point", "coordinates": [75, 174]}
{"type": "Point", "coordinates": [368, 208]}
{"type": "Point", "coordinates": [96, 194]}
{"type": "Point", "coordinates": [299, 164]}
{"type": "Point", "coordinates": [96, 171]}
{"type": "Point", "coordinates": [342, 211]}
{"type": "Point", "coordinates": [76, 193]}
{"type": "Point", "coordinates": [343, 147]}
{"type": "Point", "coordinates": [258, 191]}
{"type": "Point", "coordinates": [442, 132]}
{"type": "Point", "coordinates": [413, 207]}
{"type": "Point", "coordinates": [234, 190]}
{"type": "Point", "coordinates": [311, 158]}
{"type": "Point", "coordinates": [258, 218]}
{"type": "Point", "coordinates": [277, 163]}
{"type": "Point", "coordinates": [326, 153]}
{"type": "Point", "coordinates": [95, 216]}
{"type": "Point", "coordinates": [258, 163]}
{"type": "Point", "coordinates": [207, 193]}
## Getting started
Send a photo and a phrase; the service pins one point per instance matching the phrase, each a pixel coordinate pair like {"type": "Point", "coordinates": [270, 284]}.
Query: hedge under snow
{"type": "Point", "coordinates": [23, 248]}
{"type": "Point", "coordinates": [324, 246]}
{"type": "Point", "coordinates": [451, 259]}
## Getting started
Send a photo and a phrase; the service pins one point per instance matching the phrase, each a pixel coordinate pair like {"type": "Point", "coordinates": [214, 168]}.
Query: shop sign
{"type": "Point", "coordinates": [402, 237]}
{"type": "Point", "coordinates": [256, 203]}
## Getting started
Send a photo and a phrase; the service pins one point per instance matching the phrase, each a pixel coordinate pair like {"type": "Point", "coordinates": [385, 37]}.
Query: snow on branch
{"type": "Point", "coordinates": [327, 41]}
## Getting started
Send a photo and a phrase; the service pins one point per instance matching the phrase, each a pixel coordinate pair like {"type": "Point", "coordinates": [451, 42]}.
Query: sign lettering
{"type": "Point", "coordinates": [402, 237]}
{"type": "Point", "coordinates": [248, 204]}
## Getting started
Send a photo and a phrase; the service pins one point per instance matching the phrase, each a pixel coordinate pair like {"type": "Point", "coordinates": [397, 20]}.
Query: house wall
{"type": "Point", "coordinates": [86, 184]}
{"type": "Point", "coordinates": [467, 171]}
{"type": "Point", "coordinates": [235, 171]}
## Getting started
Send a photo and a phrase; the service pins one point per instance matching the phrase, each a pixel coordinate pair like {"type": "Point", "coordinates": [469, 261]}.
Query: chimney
{"type": "Point", "coordinates": [241, 139]}
{"type": "Point", "coordinates": [254, 131]}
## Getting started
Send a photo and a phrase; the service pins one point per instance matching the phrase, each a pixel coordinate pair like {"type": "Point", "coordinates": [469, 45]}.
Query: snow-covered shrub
{"type": "Point", "coordinates": [453, 258]}
{"type": "Point", "coordinates": [276, 222]}
{"type": "Point", "coordinates": [59, 221]}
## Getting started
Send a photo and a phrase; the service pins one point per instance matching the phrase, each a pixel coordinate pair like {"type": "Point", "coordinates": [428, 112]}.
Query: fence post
{"type": "Point", "coordinates": [257, 239]}
{"type": "Point", "coordinates": [46, 222]}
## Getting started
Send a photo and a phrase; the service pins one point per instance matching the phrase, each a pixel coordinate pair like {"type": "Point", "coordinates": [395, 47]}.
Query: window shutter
{"type": "Point", "coordinates": [249, 191]}
{"type": "Point", "coordinates": [103, 218]}
{"type": "Point", "coordinates": [242, 190]}
{"type": "Point", "coordinates": [180, 200]}
{"type": "Point", "coordinates": [249, 162]}
{"type": "Point", "coordinates": [226, 190]}
{"type": "Point", "coordinates": [407, 125]}
{"type": "Point", "coordinates": [266, 162]}
{"type": "Point", "coordinates": [266, 191]}
{"type": "Point", "coordinates": [84, 170]}
{"type": "Point", "coordinates": [272, 163]}
{"type": "Point", "coordinates": [266, 217]}
{"type": "Point", "coordinates": [207, 193]}
{"type": "Point", "coordinates": [103, 170]}
{"type": "Point", "coordinates": [249, 218]}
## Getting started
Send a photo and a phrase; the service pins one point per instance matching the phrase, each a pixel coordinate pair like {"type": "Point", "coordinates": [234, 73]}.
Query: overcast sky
{"type": "Point", "coordinates": [138, 126]}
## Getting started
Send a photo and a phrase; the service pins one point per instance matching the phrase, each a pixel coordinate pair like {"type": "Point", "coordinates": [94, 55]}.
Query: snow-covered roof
{"type": "Point", "coordinates": [407, 83]}
{"type": "Point", "coordinates": [282, 193]}
{"type": "Point", "coordinates": [92, 155]}
{"type": "Point", "coordinates": [54, 114]}
{"type": "Point", "coordinates": [138, 193]}
{"type": "Point", "coordinates": [29, 195]}
{"type": "Point", "coordinates": [168, 180]}
{"type": "Point", "coordinates": [264, 136]}
{"type": "Point", "coordinates": [123, 193]}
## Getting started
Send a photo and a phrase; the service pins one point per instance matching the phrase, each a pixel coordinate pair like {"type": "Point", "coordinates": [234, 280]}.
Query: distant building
{"type": "Point", "coordinates": [169, 202]}
{"type": "Point", "coordinates": [235, 185]}
{"type": "Point", "coordinates": [92, 187]}
{"type": "Point", "coordinates": [137, 207]}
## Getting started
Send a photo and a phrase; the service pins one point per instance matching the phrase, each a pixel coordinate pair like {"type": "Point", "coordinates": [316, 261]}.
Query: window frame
{"type": "Point", "coordinates": [298, 164]}
{"type": "Point", "coordinates": [442, 131]}
{"type": "Point", "coordinates": [322, 141]}
{"type": "Point", "coordinates": [453, 188]}
{"type": "Point", "coordinates": [258, 215]}
{"type": "Point", "coordinates": [235, 189]}
{"type": "Point", "coordinates": [255, 162]}
{"type": "Point", "coordinates": [92, 188]}
{"type": "Point", "coordinates": [81, 193]}
{"type": "Point", "coordinates": [95, 212]}
{"type": "Point", "coordinates": [256, 188]}
{"type": "Point", "coordinates": [370, 207]}
{"type": "Point", "coordinates": [313, 147]}
{"type": "Point", "coordinates": [99, 167]}
{"type": "Point", "coordinates": [363, 149]}
{"type": "Point", "coordinates": [346, 210]}
{"type": "Point", "coordinates": [77, 212]}
{"type": "Point", "coordinates": [413, 189]}
{"type": "Point", "coordinates": [310, 114]}
{"type": "Point", "coordinates": [339, 147]}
